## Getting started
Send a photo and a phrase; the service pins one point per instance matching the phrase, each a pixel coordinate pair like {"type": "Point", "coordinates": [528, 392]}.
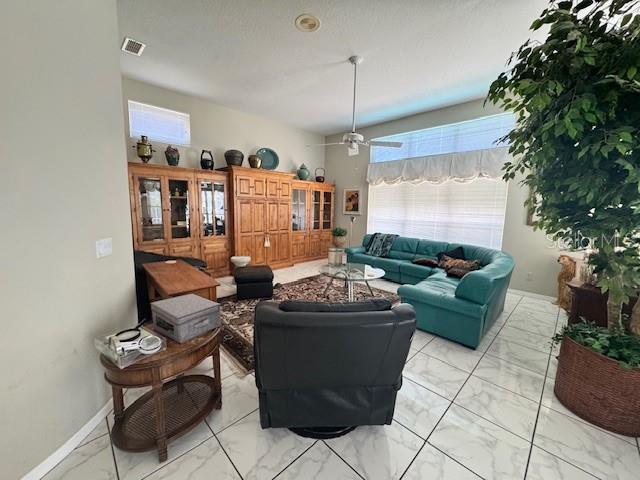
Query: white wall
{"type": "Point", "coordinates": [64, 185]}
{"type": "Point", "coordinates": [536, 266]}
{"type": "Point", "coordinates": [218, 128]}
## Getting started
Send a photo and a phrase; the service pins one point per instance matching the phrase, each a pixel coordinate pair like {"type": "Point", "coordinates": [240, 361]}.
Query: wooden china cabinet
{"type": "Point", "coordinates": [181, 212]}
{"type": "Point", "coordinates": [312, 219]}
{"type": "Point", "coordinates": [212, 215]}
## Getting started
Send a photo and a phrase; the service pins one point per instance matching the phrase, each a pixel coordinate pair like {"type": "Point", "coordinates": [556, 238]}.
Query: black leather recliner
{"type": "Point", "coordinates": [321, 366]}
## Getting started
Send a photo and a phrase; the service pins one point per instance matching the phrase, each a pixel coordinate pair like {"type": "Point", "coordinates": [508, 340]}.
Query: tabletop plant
{"type": "Point", "coordinates": [339, 232]}
{"type": "Point", "coordinates": [576, 98]}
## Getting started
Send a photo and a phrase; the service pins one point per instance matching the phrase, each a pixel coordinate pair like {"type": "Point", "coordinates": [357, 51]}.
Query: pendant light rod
{"type": "Point", "coordinates": [355, 60]}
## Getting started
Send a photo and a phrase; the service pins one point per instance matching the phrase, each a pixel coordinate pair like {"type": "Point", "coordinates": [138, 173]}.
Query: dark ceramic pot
{"type": "Point", "coordinates": [206, 160]}
{"type": "Point", "coordinates": [234, 157]}
{"type": "Point", "coordinates": [172, 155]}
{"type": "Point", "coordinates": [255, 161]}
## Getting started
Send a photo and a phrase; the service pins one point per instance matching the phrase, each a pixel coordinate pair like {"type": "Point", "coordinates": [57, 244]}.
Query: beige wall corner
{"type": "Point", "coordinates": [536, 267]}
{"type": "Point", "coordinates": [218, 128]}
{"type": "Point", "coordinates": [64, 187]}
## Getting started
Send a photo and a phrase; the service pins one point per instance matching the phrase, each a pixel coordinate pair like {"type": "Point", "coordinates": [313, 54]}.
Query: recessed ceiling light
{"type": "Point", "coordinates": [134, 47]}
{"type": "Point", "coordinates": [307, 23]}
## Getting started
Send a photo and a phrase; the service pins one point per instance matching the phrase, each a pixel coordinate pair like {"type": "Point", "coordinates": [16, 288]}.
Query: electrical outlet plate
{"type": "Point", "coordinates": [104, 247]}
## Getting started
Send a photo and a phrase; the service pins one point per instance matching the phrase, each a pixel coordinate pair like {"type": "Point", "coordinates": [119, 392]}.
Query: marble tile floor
{"type": "Point", "coordinates": [460, 414]}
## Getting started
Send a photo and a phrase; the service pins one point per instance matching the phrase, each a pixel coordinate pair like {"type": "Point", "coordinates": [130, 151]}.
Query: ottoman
{"type": "Point", "coordinates": [254, 282]}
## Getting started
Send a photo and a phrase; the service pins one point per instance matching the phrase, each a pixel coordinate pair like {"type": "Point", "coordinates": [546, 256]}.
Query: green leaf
{"type": "Point", "coordinates": [631, 72]}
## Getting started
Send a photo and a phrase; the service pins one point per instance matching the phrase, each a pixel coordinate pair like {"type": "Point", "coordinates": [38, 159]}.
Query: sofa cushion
{"type": "Point", "coordinates": [440, 295]}
{"type": "Point", "coordinates": [372, 305]}
{"type": "Point", "coordinates": [430, 248]}
{"type": "Point", "coordinates": [388, 264]}
{"type": "Point", "coordinates": [419, 271]}
{"type": "Point", "coordinates": [440, 277]}
{"type": "Point", "coordinates": [403, 248]}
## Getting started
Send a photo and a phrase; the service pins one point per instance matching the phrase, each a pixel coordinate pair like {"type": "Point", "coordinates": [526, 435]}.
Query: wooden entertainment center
{"type": "Point", "coordinates": [214, 214]}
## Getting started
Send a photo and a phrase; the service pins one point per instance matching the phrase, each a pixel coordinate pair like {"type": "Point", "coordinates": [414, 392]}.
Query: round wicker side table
{"type": "Point", "coordinates": [175, 404]}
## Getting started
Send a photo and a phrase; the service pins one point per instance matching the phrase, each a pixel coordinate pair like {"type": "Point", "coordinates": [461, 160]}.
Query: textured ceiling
{"type": "Point", "coordinates": [248, 55]}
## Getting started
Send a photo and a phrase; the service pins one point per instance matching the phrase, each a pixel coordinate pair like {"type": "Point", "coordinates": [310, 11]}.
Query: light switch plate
{"type": "Point", "coordinates": [104, 247]}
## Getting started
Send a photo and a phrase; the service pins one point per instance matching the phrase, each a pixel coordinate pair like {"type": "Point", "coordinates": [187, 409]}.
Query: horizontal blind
{"type": "Point", "coordinates": [452, 212]}
{"type": "Point", "coordinates": [161, 124]}
{"type": "Point", "coordinates": [478, 134]}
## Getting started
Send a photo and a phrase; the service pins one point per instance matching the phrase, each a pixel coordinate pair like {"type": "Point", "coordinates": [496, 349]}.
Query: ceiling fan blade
{"type": "Point", "coordinates": [325, 144]}
{"type": "Point", "coordinates": [353, 150]}
{"type": "Point", "coordinates": [376, 143]}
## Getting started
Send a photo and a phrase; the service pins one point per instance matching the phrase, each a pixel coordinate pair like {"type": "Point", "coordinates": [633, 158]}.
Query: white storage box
{"type": "Point", "coordinates": [182, 318]}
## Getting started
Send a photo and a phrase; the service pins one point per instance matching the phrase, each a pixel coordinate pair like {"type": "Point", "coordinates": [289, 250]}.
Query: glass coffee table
{"type": "Point", "coordinates": [350, 273]}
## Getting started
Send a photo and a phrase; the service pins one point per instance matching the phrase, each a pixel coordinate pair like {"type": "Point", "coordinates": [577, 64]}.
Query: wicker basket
{"type": "Point", "coordinates": [598, 389]}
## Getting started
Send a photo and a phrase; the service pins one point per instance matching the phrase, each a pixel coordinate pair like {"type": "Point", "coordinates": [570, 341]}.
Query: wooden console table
{"type": "Point", "coordinates": [176, 402]}
{"type": "Point", "coordinates": [175, 277]}
{"type": "Point", "coordinates": [588, 302]}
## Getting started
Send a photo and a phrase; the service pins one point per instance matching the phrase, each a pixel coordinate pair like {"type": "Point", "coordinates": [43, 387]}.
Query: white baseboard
{"type": "Point", "coordinates": [56, 457]}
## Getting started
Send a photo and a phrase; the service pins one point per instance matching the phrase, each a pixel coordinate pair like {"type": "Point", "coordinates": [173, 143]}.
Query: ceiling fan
{"type": "Point", "coordinates": [353, 139]}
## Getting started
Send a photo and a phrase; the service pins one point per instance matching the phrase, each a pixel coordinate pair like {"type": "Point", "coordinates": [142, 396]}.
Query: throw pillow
{"type": "Point", "coordinates": [426, 262]}
{"type": "Point", "coordinates": [457, 252]}
{"type": "Point", "coordinates": [381, 244]}
{"type": "Point", "coordinates": [457, 272]}
{"type": "Point", "coordinates": [466, 264]}
{"type": "Point", "coordinates": [459, 268]}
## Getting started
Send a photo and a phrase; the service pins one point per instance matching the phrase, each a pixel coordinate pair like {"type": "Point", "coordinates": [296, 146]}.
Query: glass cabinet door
{"type": "Point", "coordinates": [326, 210]}
{"type": "Point", "coordinates": [299, 210]}
{"type": "Point", "coordinates": [212, 208]}
{"type": "Point", "coordinates": [150, 191]}
{"type": "Point", "coordinates": [315, 211]}
{"type": "Point", "coordinates": [179, 208]}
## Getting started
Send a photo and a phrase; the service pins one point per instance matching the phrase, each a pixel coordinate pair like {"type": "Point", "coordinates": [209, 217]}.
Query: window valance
{"type": "Point", "coordinates": [460, 167]}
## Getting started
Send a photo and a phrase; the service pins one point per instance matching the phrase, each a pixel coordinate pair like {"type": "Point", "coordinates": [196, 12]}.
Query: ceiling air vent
{"type": "Point", "coordinates": [307, 23]}
{"type": "Point", "coordinates": [132, 46]}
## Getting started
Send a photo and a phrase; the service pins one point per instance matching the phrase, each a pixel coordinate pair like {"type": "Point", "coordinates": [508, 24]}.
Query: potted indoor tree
{"type": "Point", "coordinates": [576, 98]}
{"type": "Point", "coordinates": [339, 235]}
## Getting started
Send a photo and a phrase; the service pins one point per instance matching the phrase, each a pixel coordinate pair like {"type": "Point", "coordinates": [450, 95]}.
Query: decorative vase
{"type": "Point", "coordinates": [319, 178]}
{"type": "Point", "coordinates": [340, 241]}
{"type": "Point", "coordinates": [172, 155]}
{"type": "Point", "coordinates": [598, 389]}
{"type": "Point", "coordinates": [254, 161]}
{"type": "Point", "coordinates": [234, 157]}
{"type": "Point", "coordinates": [206, 163]}
{"type": "Point", "coordinates": [144, 149]}
{"type": "Point", "coordinates": [303, 172]}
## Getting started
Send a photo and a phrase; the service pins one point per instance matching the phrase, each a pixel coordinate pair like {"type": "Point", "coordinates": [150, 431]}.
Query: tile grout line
{"type": "Point", "coordinates": [566, 461]}
{"type": "Point", "coordinates": [228, 457]}
{"type": "Point", "coordinates": [453, 400]}
{"type": "Point", "coordinates": [343, 460]}
{"type": "Point", "coordinates": [168, 462]}
{"type": "Point", "coordinates": [113, 453]}
{"type": "Point", "coordinates": [544, 385]}
{"type": "Point", "coordinates": [295, 459]}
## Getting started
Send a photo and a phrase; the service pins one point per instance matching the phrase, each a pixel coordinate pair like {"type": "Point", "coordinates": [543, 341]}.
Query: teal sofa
{"type": "Point", "coordinates": [462, 310]}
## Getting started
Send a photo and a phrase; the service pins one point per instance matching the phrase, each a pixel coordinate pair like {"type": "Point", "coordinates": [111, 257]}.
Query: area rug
{"type": "Point", "coordinates": [237, 315]}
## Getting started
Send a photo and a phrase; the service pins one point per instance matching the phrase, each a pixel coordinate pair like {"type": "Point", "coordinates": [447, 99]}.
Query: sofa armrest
{"type": "Point", "coordinates": [477, 287]}
{"type": "Point", "coordinates": [354, 250]}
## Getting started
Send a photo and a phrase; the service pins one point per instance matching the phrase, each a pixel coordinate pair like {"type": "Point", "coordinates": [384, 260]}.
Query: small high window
{"type": "Point", "coordinates": [160, 124]}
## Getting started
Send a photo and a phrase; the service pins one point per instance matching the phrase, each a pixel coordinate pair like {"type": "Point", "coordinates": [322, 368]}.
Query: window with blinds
{"type": "Point", "coordinates": [450, 212]}
{"type": "Point", "coordinates": [477, 134]}
{"type": "Point", "coordinates": [160, 124]}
